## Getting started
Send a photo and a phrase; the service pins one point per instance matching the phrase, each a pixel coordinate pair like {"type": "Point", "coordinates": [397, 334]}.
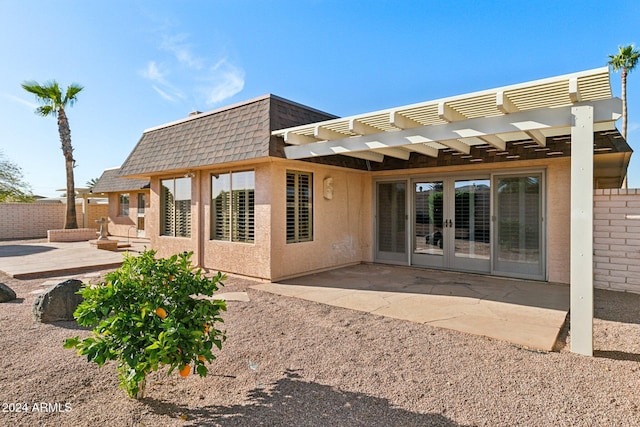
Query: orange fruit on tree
{"type": "Point", "coordinates": [206, 328]}
{"type": "Point", "coordinates": [184, 371]}
{"type": "Point", "coordinates": [202, 358]}
{"type": "Point", "coordinates": [161, 312]}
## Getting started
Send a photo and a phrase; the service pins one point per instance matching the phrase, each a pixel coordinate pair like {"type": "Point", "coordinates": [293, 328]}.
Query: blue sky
{"type": "Point", "coordinates": [145, 63]}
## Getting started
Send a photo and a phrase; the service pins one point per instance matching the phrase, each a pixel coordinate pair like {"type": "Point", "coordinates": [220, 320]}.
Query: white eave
{"type": "Point", "coordinates": [534, 110]}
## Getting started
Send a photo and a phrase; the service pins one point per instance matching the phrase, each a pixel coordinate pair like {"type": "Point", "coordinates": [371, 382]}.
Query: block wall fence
{"type": "Point", "coordinates": [616, 239]}
{"type": "Point", "coordinates": [32, 220]}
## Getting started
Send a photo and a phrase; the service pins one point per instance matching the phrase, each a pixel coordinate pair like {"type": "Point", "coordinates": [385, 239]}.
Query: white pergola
{"type": "Point", "coordinates": [575, 104]}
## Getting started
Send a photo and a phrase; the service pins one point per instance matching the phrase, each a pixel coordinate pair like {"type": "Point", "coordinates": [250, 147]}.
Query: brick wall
{"type": "Point", "coordinates": [616, 239]}
{"type": "Point", "coordinates": [32, 220]}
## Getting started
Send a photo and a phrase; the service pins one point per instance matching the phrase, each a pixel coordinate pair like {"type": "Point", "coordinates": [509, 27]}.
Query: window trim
{"type": "Point", "coordinates": [175, 217]}
{"type": "Point", "coordinates": [228, 232]}
{"type": "Point", "coordinates": [122, 211]}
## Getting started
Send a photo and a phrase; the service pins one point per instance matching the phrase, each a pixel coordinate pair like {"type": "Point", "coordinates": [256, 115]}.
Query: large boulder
{"type": "Point", "coordinates": [58, 302]}
{"type": "Point", "coordinates": [6, 293]}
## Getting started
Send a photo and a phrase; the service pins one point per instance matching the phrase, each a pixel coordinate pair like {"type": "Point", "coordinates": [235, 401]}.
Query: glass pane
{"type": "Point", "coordinates": [428, 218]}
{"type": "Point", "coordinates": [242, 188]}
{"type": "Point", "coordinates": [142, 201]}
{"type": "Point", "coordinates": [518, 205]}
{"type": "Point", "coordinates": [392, 217]}
{"type": "Point", "coordinates": [220, 193]}
{"type": "Point", "coordinates": [305, 219]}
{"type": "Point", "coordinates": [473, 219]}
{"type": "Point", "coordinates": [299, 207]}
{"type": "Point", "coordinates": [167, 216]}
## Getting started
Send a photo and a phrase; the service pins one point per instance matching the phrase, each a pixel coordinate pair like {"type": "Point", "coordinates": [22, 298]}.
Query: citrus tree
{"type": "Point", "coordinates": [151, 313]}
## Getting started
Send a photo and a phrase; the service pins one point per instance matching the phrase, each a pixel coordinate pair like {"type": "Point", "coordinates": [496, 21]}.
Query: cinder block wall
{"type": "Point", "coordinates": [616, 235]}
{"type": "Point", "coordinates": [32, 220]}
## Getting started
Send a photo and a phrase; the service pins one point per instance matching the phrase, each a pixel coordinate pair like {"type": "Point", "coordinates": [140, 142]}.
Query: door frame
{"type": "Point", "coordinates": [392, 258]}
{"type": "Point", "coordinates": [543, 241]}
{"type": "Point", "coordinates": [448, 260]}
{"type": "Point", "coordinates": [410, 179]}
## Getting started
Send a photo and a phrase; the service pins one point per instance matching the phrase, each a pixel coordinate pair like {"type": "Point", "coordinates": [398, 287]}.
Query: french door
{"type": "Point", "coordinates": [481, 223]}
{"type": "Point", "coordinates": [452, 223]}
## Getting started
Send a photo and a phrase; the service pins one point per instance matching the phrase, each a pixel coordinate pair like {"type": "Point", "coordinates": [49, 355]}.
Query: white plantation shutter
{"type": "Point", "coordinates": [299, 206]}
{"type": "Point", "coordinates": [175, 204]}
{"type": "Point", "coordinates": [234, 207]}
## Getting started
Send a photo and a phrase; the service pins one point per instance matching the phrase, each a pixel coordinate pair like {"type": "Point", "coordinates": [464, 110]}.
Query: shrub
{"type": "Point", "coordinates": [149, 313]}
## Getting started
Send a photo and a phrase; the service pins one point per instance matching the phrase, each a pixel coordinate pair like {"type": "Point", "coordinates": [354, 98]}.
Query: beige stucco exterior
{"type": "Point", "coordinates": [343, 221]}
{"type": "Point", "coordinates": [126, 225]}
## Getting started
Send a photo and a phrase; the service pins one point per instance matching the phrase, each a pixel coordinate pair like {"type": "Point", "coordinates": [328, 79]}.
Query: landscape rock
{"type": "Point", "coordinates": [6, 293]}
{"type": "Point", "coordinates": [58, 302]}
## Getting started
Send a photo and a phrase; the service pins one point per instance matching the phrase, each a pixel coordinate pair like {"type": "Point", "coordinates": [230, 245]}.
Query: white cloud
{"type": "Point", "coordinates": [217, 82]}
{"type": "Point", "coordinates": [164, 94]}
{"type": "Point", "coordinates": [182, 51]}
{"type": "Point", "coordinates": [31, 105]}
{"type": "Point", "coordinates": [225, 81]}
{"type": "Point", "coordinates": [153, 73]}
{"type": "Point", "coordinates": [161, 85]}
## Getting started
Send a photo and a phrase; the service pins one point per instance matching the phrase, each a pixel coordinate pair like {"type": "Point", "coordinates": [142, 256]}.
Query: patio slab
{"type": "Point", "coordinates": [527, 313]}
{"type": "Point", "coordinates": [28, 260]}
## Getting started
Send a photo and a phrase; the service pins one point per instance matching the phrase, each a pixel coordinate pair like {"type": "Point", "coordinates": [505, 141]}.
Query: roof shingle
{"type": "Point", "coordinates": [110, 181]}
{"type": "Point", "coordinates": [234, 133]}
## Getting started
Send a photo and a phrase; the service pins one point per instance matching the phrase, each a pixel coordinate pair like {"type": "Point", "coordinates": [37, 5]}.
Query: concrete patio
{"type": "Point", "coordinates": [526, 313]}
{"type": "Point", "coordinates": [38, 258]}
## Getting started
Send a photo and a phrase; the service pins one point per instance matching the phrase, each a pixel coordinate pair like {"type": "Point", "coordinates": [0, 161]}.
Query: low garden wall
{"type": "Point", "coordinates": [72, 235]}
{"type": "Point", "coordinates": [33, 220]}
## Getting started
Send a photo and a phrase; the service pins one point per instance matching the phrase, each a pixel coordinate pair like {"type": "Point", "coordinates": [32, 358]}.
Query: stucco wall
{"type": "Point", "coordinates": [127, 225]}
{"type": "Point", "coordinates": [342, 225]}
{"type": "Point", "coordinates": [616, 235]}
{"type": "Point", "coordinates": [248, 259]}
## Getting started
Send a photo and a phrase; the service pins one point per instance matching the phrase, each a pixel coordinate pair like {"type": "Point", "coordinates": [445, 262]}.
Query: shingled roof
{"type": "Point", "coordinates": [234, 133]}
{"type": "Point", "coordinates": [110, 181]}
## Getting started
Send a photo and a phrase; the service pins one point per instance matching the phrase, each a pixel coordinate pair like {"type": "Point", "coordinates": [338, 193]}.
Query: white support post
{"type": "Point", "coordinates": [582, 230]}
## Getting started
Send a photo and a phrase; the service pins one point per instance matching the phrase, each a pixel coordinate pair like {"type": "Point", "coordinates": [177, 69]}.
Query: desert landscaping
{"type": "Point", "coordinates": [293, 362]}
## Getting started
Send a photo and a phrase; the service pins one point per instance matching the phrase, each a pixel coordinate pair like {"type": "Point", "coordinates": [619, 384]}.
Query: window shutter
{"type": "Point", "coordinates": [299, 207]}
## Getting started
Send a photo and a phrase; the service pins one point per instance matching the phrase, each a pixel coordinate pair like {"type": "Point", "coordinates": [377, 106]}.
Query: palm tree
{"type": "Point", "coordinates": [91, 183]}
{"type": "Point", "coordinates": [625, 60]}
{"type": "Point", "coordinates": [53, 104]}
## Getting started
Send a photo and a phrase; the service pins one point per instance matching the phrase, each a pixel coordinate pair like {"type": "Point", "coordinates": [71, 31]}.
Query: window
{"type": "Point", "coordinates": [232, 206]}
{"type": "Point", "coordinates": [123, 204]}
{"type": "Point", "coordinates": [142, 201]}
{"type": "Point", "coordinates": [176, 207]}
{"type": "Point", "coordinates": [299, 207]}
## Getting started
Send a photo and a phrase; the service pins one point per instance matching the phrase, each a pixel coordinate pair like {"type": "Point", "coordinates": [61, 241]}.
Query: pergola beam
{"type": "Point", "coordinates": [296, 139]}
{"type": "Point", "coordinates": [356, 126]}
{"type": "Point", "coordinates": [546, 118]}
{"type": "Point", "coordinates": [423, 149]}
{"type": "Point", "coordinates": [402, 122]}
{"type": "Point", "coordinates": [325, 134]}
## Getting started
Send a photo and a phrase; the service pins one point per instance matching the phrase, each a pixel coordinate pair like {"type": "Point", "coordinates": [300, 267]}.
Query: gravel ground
{"type": "Point", "coordinates": [327, 366]}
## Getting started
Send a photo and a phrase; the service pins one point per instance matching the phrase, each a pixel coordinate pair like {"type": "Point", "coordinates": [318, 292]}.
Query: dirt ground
{"type": "Point", "coordinates": [317, 365]}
